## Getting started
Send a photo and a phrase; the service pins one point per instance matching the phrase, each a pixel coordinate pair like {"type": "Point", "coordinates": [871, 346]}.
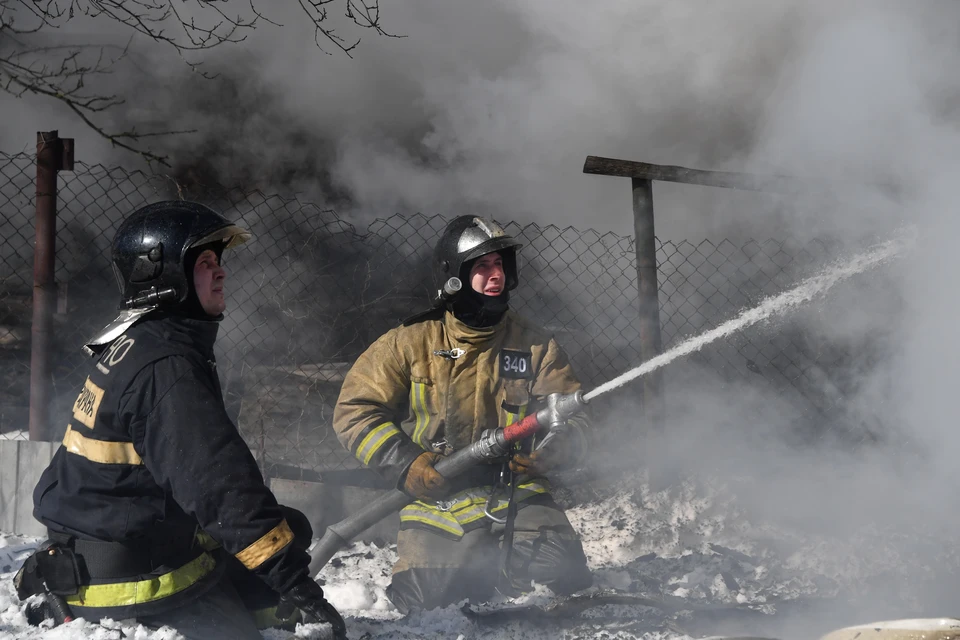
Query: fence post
{"type": "Point", "coordinates": [648, 294]}
{"type": "Point", "coordinates": [53, 154]}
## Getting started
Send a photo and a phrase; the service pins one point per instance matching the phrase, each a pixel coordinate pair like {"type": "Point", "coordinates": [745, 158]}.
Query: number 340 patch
{"type": "Point", "coordinates": [515, 364]}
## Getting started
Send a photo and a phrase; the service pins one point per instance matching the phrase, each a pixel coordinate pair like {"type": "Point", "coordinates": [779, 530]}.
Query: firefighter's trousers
{"type": "Point", "coordinates": [219, 614]}
{"type": "Point", "coordinates": [434, 570]}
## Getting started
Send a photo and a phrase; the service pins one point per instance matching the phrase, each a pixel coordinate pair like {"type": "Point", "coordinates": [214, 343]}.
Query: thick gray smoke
{"type": "Point", "coordinates": [485, 107]}
{"type": "Point", "coordinates": [492, 107]}
{"type": "Point", "coordinates": [866, 100]}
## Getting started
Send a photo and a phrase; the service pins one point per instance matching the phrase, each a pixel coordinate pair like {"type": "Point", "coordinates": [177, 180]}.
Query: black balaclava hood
{"type": "Point", "coordinates": [475, 309]}
{"type": "Point", "coordinates": [191, 307]}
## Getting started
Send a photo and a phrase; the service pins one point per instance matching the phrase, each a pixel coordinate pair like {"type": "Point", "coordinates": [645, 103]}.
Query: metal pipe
{"type": "Point", "coordinates": [44, 285]}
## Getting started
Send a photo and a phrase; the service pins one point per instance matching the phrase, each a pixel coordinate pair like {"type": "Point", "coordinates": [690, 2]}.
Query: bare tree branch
{"type": "Point", "coordinates": [30, 65]}
{"type": "Point", "coordinates": [362, 15]}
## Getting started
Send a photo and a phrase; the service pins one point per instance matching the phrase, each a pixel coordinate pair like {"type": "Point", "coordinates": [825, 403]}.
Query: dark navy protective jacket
{"type": "Point", "coordinates": [151, 456]}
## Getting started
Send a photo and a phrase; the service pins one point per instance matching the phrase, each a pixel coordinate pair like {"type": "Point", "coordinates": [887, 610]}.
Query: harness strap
{"type": "Point", "coordinates": [506, 552]}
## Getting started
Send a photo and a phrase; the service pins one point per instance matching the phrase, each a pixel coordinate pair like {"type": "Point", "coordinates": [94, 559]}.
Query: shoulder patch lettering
{"type": "Point", "coordinates": [118, 350]}
{"type": "Point", "coordinates": [87, 404]}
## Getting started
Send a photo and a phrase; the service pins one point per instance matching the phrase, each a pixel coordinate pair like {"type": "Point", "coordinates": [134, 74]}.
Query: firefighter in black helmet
{"type": "Point", "coordinates": [155, 507]}
{"type": "Point", "coordinates": [431, 387]}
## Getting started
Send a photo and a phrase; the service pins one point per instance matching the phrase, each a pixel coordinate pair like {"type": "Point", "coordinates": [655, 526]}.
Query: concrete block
{"type": "Point", "coordinates": [325, 504]}
{"type": "Point", "coordinates": [21, 463]}
{"type": "Point", "coordinates": [33, 459]}
{"type": "Point", "coordinates": [9, 451]}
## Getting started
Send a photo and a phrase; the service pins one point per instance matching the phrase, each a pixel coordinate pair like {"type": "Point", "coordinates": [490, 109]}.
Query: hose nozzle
{"type": "Point", "coordinates": [560, 406]}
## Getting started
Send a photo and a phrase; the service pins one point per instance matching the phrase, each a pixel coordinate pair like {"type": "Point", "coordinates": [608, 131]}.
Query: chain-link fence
{"type": "Point", "coordinates": [312, 291]}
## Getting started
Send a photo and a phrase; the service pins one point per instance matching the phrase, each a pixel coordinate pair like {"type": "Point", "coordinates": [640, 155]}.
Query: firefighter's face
{"type": "Point", "coordinates": [486, 275]}
{"type": "Point", "coordinates": [208, 277]}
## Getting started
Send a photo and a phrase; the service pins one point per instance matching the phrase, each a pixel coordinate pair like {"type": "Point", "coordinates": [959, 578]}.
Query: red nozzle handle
{"type": "Point", "coordinates": [522, 429]}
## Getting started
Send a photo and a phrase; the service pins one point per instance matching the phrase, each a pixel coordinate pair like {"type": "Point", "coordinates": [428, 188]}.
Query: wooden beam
{"type": "Point", "coordinates": [725, 179]}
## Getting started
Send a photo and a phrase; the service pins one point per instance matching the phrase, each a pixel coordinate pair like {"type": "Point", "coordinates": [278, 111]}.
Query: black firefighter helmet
{"type": "Point", "coordinates": [148, 259]}
{"type": "Point", "coordinates": [465, 239]}
{"type": "Point", "coordinates": [150, 246]}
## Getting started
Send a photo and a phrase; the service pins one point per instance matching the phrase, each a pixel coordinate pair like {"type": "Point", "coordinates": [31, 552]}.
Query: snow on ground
{"type": "Point", "coordinates": [712, 570]}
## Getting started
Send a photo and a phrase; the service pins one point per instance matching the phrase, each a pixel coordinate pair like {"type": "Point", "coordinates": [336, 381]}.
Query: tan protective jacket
{"type": "Point", "coordinates": [408, 393]}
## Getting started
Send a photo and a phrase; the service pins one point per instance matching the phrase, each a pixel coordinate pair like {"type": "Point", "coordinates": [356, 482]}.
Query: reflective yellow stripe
{"type": "Point", "coordinates": [430, 515]}
{"type": "Point", "coordinates": [374, 440]}
{"type": "Point", "coordinates": [100, 450]}
{"type": "Point", "coordinates": [468, 508]}
{"type": "Point", "coordinates": [472, 515]}
{"type": "Point", "coordinates": [531, 488]}
{"type": "Point", "coordinates": [457, 531]}
{"type": "Point", "coordinates": [206, 541]}
{"type": "Point", "coordinates": [415, 407]}
{"type": "Point", "coordinates": [515, 417]}
{"type": "Point", "coordinates": [418, 401]}
{"type": "Point", "coordinates": [122, 594]}
{"type": "Point", "coordinates": [264, 548]}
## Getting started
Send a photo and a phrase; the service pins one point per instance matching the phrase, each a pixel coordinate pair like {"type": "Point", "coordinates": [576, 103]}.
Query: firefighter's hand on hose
{"type": "Point", "coordinates": [423, 481]}
{"type": "Point", "coordinates": [562, 450]}
{"type": "Point", "coordinates": [307, 596]}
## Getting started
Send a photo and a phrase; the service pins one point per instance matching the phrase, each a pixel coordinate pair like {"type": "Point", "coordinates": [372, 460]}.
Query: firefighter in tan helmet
{"type": "Point", "coordinates": [431, 387]}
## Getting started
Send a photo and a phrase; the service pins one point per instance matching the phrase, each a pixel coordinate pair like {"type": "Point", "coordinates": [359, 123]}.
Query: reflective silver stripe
{"type": "Point", "coordinates": [475, 513]}
{"type": "Point", "coordinates": [375, 440]}
{"type": "Point", "coordinates": [425, 514]}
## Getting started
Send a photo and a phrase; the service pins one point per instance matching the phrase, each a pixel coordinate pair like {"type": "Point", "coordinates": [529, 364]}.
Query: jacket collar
{"type": "Point", "coordinates": [462, 332]}
{"type": "Point", "coordinates": [200, 334]}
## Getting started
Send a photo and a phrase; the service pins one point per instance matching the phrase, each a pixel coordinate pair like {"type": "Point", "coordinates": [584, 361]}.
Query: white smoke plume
{"type": "Point", "coordinates": [489, 107]}
{"type": "Point", "coordinates": [492, 107]}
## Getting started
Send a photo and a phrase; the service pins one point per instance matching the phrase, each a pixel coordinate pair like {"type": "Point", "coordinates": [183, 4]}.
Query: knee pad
{"type": "Point", "coordinates": [551, 556]}
{"type": "Point", "coordinates": [429, 588]}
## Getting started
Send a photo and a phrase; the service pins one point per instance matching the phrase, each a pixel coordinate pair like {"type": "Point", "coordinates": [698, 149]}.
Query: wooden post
{"type": "Point", "coordinates": [648, 296]}
{"type": "Point", "coordinates": [642, 175]}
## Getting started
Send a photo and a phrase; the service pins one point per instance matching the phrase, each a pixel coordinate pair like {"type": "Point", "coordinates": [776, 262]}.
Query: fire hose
{"type": "Point", "coordinates": [493, 444]}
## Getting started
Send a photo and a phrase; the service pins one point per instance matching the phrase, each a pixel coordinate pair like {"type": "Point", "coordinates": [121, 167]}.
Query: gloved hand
{"type": "Point", "coordinates": [423, 481]}
{"type": "Point", "coordinates": [307, 596]}
{"type": "Point", "coordinates": [563, 449]}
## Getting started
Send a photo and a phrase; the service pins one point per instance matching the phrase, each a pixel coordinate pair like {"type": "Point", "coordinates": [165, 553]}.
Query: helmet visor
{"type": "Point", "coordinates": [232, 235]}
